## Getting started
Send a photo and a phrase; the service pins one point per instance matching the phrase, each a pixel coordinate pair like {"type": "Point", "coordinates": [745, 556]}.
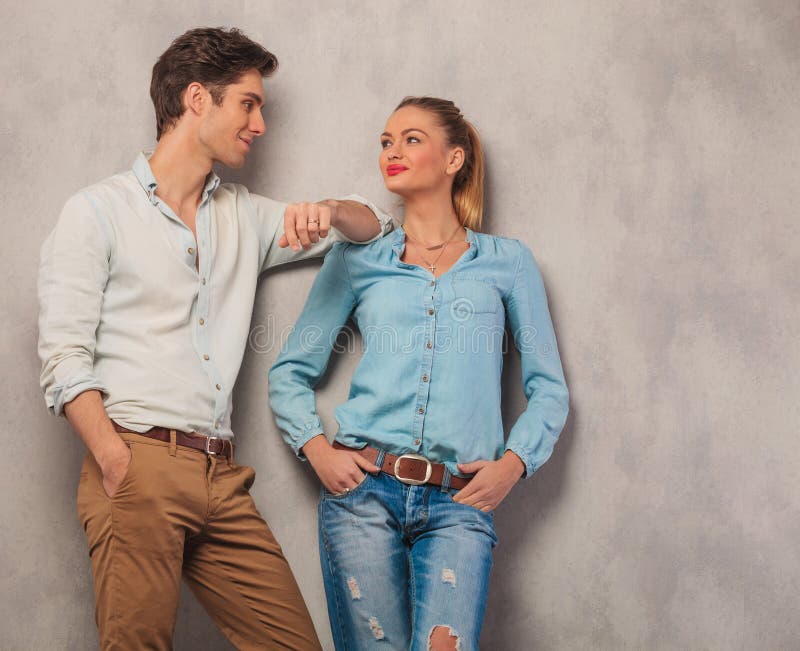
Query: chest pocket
{"type": "Point", "coordinates": [471, 296]}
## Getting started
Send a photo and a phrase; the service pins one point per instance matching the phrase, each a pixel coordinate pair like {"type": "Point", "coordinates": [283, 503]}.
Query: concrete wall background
{"type": "Point", "coordinates": [646, 151]}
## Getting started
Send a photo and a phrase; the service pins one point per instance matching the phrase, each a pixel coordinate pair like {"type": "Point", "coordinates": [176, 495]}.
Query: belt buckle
{"type": "Point", "coordinates": [208, 444]}
{"type": "Point", "coordinates": [408, 480]}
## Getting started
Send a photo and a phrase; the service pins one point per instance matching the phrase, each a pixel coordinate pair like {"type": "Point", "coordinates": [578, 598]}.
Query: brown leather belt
{"type": "Point", "coordinates": [207, 444]}
{"type": "Point", "coordinates": [408, 468]}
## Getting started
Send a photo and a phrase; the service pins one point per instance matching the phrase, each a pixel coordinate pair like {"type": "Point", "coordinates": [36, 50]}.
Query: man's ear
{"type": "Point", "coordinates": [195, 97]}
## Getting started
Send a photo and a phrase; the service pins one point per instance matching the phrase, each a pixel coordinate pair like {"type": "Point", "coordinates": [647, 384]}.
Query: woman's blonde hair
{"type": "Point", "coordinates": [468, 184]}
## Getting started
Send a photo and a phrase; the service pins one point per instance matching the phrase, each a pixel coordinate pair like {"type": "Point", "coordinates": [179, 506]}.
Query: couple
{"type": "Point", "coordinates": [146, 292]}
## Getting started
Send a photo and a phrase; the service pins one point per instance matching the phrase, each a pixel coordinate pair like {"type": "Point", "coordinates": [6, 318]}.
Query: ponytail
{"type": "Point", "coordinates": [468, 185]}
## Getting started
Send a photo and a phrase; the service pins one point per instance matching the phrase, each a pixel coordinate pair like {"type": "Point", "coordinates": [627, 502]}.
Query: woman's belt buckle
{"type": "Point", "coordinates": [410, 480]}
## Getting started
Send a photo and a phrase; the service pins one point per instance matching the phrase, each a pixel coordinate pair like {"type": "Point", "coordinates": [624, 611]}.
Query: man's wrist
{"type": "Point", "coordinates": [334, 206]}
{"type": "Point", "coordinates": [111, 452]}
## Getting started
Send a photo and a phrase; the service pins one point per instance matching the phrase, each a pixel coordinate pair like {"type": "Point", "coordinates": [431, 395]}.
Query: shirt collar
{"type": "Point", "coordinates": [399, 238]}
{"type": "Point", "coordinates": [143, 173]}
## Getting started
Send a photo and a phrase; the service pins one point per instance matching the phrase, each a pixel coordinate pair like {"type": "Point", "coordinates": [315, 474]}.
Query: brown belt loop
{"type": "Point", "coordinates": [173, 443]}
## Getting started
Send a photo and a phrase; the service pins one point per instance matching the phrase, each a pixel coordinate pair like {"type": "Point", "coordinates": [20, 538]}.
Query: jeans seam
{"type": "Point", "coordinates": [413, 585]}
{"type": "Point", "coordinates": [332, 570]}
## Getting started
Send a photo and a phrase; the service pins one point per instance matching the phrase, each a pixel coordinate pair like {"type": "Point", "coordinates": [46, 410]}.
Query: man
{"type": "Point", "coordinates": [146, 293]}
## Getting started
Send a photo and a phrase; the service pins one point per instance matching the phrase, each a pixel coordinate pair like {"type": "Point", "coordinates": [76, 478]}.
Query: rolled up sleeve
{"type": "Point", "coordinates": [73, 273]}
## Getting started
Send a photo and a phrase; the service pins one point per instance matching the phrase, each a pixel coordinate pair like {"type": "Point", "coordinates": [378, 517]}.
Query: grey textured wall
{"type": "Point", "coordinates": [646, 151]}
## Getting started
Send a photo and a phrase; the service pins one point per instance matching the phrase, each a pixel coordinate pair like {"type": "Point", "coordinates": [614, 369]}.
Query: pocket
{"type": "Point", "coordinates": [340, 496]}
{"type": "Point", "coordinates": [452, 492]}
{"type": "Point", "coordinates": [473, 296]}
{"type": "Point", "coordinates": [126, 478]}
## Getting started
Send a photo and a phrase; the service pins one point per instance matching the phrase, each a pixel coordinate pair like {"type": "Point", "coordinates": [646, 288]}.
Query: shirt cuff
{"type": "Point", "coordinates": [312, 428]}
{"type": "Point", "coordinates": [68, 391]}
{"type": "Point", "coordinates": [526, 457]}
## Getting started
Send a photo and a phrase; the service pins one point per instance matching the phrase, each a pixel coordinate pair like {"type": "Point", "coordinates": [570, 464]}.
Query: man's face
{"type": "Point", "coordinates": [227, 131]}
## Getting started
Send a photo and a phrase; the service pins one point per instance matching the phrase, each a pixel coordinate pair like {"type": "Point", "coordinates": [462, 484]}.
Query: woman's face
{"type": "Point", "coordinates": [414, 153]}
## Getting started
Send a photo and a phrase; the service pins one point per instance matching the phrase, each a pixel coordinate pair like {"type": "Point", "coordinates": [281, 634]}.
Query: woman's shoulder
{"type": "Point", "coordinates": [375, 250]}
{"type": "Point", "coordinates": [506, 247]}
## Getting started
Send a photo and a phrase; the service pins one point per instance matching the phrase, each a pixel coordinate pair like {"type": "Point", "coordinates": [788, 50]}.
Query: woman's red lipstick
{"type": "Point", "coordinates": [394, 170]}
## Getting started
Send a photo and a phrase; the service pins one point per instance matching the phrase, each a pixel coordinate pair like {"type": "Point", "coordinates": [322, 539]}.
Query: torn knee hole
{"type": "Point", "coordinates": [443, 638]}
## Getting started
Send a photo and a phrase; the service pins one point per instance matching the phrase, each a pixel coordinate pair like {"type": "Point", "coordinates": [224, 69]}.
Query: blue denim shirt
{"type": "Point", "coordinates": [429, 378]}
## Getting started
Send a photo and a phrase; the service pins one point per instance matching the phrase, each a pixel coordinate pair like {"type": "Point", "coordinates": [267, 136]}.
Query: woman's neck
{"type": "Point", "coordinates": [431, 220]}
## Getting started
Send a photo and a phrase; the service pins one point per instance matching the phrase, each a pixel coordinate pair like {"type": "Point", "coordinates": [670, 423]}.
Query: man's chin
{"type": "Point", "coordinates": [234, 163]}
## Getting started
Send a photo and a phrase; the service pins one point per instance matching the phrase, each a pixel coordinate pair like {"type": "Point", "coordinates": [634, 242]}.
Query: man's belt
{"type": "Point", "coordinates": [408, 468]}
{"type": "Point", "coordinates": [208, 444]}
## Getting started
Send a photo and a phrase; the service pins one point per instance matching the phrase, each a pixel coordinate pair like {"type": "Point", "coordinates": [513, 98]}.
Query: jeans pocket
{"type": "Point", "coordinates": [452, 491]}
{"type": "Point", "coordinates": [338, 496]}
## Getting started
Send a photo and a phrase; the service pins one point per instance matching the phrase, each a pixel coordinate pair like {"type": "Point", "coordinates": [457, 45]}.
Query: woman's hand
{"type": "Point", "coordinates": [493, 480]}
{"type": "Point", "coordinates": [338, 470]}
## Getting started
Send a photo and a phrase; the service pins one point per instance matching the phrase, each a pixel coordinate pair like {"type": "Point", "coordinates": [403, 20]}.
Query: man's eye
{"type": "Point", "coordinates": [248, 106]}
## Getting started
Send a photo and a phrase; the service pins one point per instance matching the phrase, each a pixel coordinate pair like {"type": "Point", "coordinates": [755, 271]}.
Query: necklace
{"type": "Point", "coordinates": [432, 265]}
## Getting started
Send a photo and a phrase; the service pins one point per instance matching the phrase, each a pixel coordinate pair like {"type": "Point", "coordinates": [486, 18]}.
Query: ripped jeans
{"type": "Point", "coordinates": [399, 561]}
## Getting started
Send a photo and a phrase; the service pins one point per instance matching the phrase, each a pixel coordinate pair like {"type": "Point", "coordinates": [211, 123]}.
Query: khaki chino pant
{"type": "Point", "coordinates": [181, 512]}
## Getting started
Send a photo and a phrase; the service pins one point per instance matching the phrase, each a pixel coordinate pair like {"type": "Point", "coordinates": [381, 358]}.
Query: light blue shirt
{"type": "Point", "coordinates": [429, 378]}
{"type": "Point", "coordinates": [125, 309]}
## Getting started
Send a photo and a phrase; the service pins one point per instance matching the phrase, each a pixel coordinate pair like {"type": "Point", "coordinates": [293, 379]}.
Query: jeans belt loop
{"type": "Point", "coordinates": [381, 456]}
{"type": "Point", "coordinates": [446, 480]}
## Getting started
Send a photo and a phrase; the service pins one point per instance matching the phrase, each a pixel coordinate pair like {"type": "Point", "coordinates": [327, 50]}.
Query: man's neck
{"type": "Point", "coordinates": [179, 169]}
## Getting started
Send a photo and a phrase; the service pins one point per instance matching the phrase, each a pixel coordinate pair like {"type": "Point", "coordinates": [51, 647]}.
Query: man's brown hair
{"type": "Point", "coordinates": [213, 56]}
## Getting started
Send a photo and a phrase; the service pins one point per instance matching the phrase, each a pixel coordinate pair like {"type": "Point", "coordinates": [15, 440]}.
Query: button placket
{"type": "Point", "coordinates": [203, 337]}
{"type": "Point", "coordinates": [423, 390]}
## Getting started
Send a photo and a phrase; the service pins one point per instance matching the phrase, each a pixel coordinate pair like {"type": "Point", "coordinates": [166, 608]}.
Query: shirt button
{"type": "Point", "coordinates": [218, 387]}
{"type": "Point", "coordinates": [417, 441]}
{"type": "Point", "coordinates": [206, 357]}
{"type": "Point", "coordinates": [202, 321]}
{"type": "Point", "coordinates": [190, 250]}
{"type": "Point", "coordinates": [428, 344]}
{"type": "Point", "coordinates": [424, 378]}
{"type": "Point", "coordinates": [421, 410]}
{"type": "Point", "coordinates": [430, 311]}
{"type": "Point", "coordinates": [203, 281]}
{"type": "Point", "coordinates": [433, 282]}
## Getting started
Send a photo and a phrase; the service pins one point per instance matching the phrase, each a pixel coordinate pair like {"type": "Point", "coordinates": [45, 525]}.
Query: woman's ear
{"type": "Point", "coordinates": [455, 160]}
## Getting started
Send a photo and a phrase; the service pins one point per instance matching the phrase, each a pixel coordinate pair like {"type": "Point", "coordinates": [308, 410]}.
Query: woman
{"type": "Point", "coordinates": [420, 463]}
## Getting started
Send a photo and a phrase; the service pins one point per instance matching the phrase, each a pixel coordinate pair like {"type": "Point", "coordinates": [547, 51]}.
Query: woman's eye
{"type": "Point", "coordinates": [385, 143]}
{"type": "Point", "coordinates": [412, 139]}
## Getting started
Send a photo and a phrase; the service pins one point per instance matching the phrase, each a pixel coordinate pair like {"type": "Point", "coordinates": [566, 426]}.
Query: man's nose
{"type": "Point", "coordinates": [257, 124]}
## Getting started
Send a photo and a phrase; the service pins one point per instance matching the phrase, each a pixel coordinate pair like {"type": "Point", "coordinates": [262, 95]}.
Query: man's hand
{"type": "Point", "coordinates": [114, 465]}
{"type": "Point", "coordinates": [493, 480]}
{"type": "Point", "coordinates": [305, 223]}
{"type": "Point", "coordinates": [88, 418]}
{"type": "Point", "coordinates": [338, 470]}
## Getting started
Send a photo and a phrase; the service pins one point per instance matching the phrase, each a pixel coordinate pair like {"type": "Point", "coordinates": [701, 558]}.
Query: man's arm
{"type": "Point", "coordinates": [305, 223]}
{"type": "Point", "coordinates": [89, 419]}
{"type": "Point", "coordinates": [332, 220]}
{"type": "Point", "coordinates": [73, 274]}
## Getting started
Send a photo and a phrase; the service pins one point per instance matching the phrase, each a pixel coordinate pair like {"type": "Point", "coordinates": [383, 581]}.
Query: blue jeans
{"type": "Point", "coordinates": [399, 561]}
